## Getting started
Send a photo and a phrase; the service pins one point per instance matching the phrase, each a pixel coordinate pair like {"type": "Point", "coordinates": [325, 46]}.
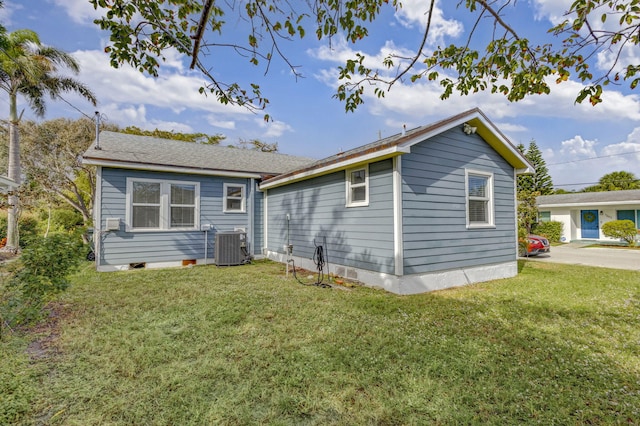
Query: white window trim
{"type": "Point", "coordinates": [243, 202]}
{"type": "Point", "coordinates": [490, 204]}
{"type": "Point", "coordinates": [350, 186]}
{"type": "Point", "coordinates": [165, 206]}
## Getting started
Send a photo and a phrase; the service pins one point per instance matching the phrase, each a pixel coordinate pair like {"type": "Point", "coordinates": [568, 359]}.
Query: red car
{"type": "Point", "coordinates": [536, 245]}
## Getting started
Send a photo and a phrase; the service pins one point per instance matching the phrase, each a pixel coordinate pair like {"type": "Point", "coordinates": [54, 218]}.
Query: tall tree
{"type": "Point", "coordinates": [615, 181]}
{"type": "Point", "coordinates": [51, 156]}
{"type": "Point", "coordinates": [30, 68]}
{"type": "Point", "coordinates": [258, 145]}
{"type": "Point", "coordinates": [539, 182]}
{"type": "Point", "coordinates": [496, 55]}
{"type": "Point", "coordinates": [202, 138]}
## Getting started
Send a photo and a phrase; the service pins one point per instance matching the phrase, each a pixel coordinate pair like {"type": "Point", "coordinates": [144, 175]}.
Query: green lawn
{"type": "Point", "coordinates": [243, 345]}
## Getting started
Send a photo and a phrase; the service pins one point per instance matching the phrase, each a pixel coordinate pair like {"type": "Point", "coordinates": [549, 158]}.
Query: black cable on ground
{"type": "Point", "coordinates": [318, 258]}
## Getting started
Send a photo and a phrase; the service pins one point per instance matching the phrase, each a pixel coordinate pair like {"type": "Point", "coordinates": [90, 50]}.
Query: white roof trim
{"type": "Point", "coordinates": [170, 169]}
{"type": "Point", "coordinates": [473, 118]}
{"type": "Point", "coordinates": [340, 165]}
{"type": "Point", "coordinates": [592, 204]}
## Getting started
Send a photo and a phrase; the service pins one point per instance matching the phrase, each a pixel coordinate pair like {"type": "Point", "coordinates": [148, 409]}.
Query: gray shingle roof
{"type": "Point", "coordinates": [590, 197]}
{"type": "Point", "coordinates": [150, 151]}
{"type": "Point", "coordinates": [476, 116]}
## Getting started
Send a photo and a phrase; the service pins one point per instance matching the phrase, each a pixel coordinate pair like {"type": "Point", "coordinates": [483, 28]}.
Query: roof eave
{"type": "Point", "coordinates": [343, 164]}
{"type": "Point", "coordinates": [487, 131]}
{"type": "Point", "coordinates": [591, 203]}
{"type": "Point", "coordinates": [165, 168]}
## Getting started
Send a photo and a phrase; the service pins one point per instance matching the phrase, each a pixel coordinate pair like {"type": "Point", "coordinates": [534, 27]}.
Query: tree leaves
{"type": "Point", "coordinates": [510, 65]}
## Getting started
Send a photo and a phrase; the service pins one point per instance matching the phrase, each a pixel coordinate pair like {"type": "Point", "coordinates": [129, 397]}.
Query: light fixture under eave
{"type": "Point", "coordinates": [468, 129]}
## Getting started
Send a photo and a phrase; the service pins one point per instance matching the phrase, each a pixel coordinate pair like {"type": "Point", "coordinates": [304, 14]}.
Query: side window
{"type": "Point", "coordinates": [183, 206]}
{"type": "Point", "coordinates": [544, 216]}
{"type": "Point", "coordinates": [234, 198]}
{"type": "Point", "coordinates": [154, 204]}
{"type": "Point", "coordinates": [627, 215]}
{"type": "Point", "coordinates": [145, 205]}
{"type": "Point", "coordinates": [479, 186]}
{"type": "Point", "coordinates": [357, 187]}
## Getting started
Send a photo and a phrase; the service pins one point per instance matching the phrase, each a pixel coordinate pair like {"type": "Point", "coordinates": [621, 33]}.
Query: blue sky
{"type": "Point", "coordinates": [580, 143]}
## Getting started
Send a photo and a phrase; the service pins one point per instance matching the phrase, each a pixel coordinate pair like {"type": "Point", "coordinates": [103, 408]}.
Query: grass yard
{"type": "Point", "coordinates": [243, 345]}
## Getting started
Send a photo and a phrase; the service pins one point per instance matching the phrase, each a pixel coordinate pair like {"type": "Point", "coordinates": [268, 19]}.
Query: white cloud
{"type": "Point", "coordinates": [80, 11]}
{"type": "Point", "coordinates": [415, 12]}
{"type": "Point", "coordinates": [174, 91]}
{"type": "Point", "coordinates": [340, 50]}
{"type": "Point", "coordinates": [223, 124]}
{"type": "Point", "coordinates": [582, 163]}
{"type": "Point", "coordinates": [578, 147]}
{"type": "Point", "coordinates": [552, 10]}
{"type": "Point", "coordinates": [627, 152]}
{"type": "Point", "coordinates": [507, 127]}
{"type": "Point", "coordinates": [7, 12]}
{"type": "Point", "coordinates": [273, 129]}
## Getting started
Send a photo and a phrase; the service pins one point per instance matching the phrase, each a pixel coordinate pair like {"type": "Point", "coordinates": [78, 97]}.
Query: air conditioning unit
{"type": "Point", "coordinates": [231, 248]}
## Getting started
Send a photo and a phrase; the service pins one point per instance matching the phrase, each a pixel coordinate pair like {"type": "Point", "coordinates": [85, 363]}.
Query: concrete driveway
{"type": "Point", "coordinates": [581, 254]}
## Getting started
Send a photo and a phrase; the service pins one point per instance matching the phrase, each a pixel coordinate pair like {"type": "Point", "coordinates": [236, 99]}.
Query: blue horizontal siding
{"type": "Point", "coordinates": [359, 237]}
{"type": "Point", "coordinates": [122, 248]}
{"type": "Point", "coordinates": [435, 235]}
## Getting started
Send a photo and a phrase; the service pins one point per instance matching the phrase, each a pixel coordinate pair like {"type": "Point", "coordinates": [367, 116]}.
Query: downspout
{"type": "Point", "coordinates": [97, 220]}
{"type": "Point", "coordinates": [398, 246]}
{"type": "Point", "coordinates": [250, 210]}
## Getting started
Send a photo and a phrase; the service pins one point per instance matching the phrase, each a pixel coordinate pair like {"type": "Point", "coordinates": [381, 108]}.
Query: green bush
{"type": "Point", "coordinates": [27, 225]}
{"type": "Point", "coordinates": [551, 230]}
{"type": "Point", "coordinates": [622, 229]}
{"type": "Point", "coordinates": [3, 226]}
{"type": "Point", "coordinates": [41, 272]}
{"type": "Point", "coordinates": [61, 219]}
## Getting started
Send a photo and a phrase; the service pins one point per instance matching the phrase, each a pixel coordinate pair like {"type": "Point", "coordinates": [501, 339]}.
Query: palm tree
{"type": "Point", "coordinates": [29, 68]}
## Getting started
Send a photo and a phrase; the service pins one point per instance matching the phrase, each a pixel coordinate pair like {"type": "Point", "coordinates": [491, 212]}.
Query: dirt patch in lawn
{"type": "Point", "coordinates": [47, 332]}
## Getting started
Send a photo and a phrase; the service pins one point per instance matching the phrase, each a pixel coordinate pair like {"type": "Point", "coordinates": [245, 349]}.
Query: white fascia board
{"type": "Point", "coordinates": [592, 204]}
{"type": "Point", "coordinates": [170, 169]}
{"type": "Point", "coordinates": [476, 119]}
{"type": "Point", "coordinates": [440, 129]}
{"type": "Point", "coordinates": [526, 171]}
{"type": "Point", "coordinates": [341, 165]}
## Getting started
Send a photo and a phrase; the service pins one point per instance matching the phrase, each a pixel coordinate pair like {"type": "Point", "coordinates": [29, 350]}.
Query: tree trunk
{"type": "Point", "coordinates": [13, 236]}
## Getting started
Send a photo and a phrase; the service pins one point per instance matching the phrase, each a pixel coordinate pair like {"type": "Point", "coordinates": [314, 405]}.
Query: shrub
{"type": "Point", "coordinates": [551, 230]}
{"type": "Point", "coordinates": [622, 229]}
{"type": "Point", "coordinates": [28, 227]}
{"type": "Point", "coordinates": [61, 219]}
{"type": "Point", "coordinates": [42, 272]}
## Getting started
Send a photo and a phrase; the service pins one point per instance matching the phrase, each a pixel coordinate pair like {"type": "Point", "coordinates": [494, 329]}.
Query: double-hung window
{"type": "Point", "coordinates": [234, 198]}
{"type": "Point", "coordinates": [145, 205]}
{"type": "Point", "coordinates": [358, 187]}
{"type": "Point", "coordinates": [479, 186]}
{"type": "Point", "coordinates": [182, 205]}
{"type": "Point", "coordinates": [162, 205]}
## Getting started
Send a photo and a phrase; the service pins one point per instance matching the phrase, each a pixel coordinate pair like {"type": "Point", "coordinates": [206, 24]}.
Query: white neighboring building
{"type": "Point", "coordinates": [584, 213]}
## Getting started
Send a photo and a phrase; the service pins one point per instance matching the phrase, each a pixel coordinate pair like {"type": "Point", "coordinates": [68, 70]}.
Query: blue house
{"type": "Point", "coordinates": [161, 202]}
{"type": "Point", "coordinates": [429, 208]}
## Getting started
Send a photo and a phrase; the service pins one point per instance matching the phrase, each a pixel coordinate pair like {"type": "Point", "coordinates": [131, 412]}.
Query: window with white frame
{"type": "Point", "coordinates": [234, 198]}
{"type": "Point", "coordinates": [159, 205]}
{"type": "Point", "coordinates": [183, 205]}
{"type": "Point", "coordinates": [358, 187]}
{"type": "Point", "coordinates": [479, 198]}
